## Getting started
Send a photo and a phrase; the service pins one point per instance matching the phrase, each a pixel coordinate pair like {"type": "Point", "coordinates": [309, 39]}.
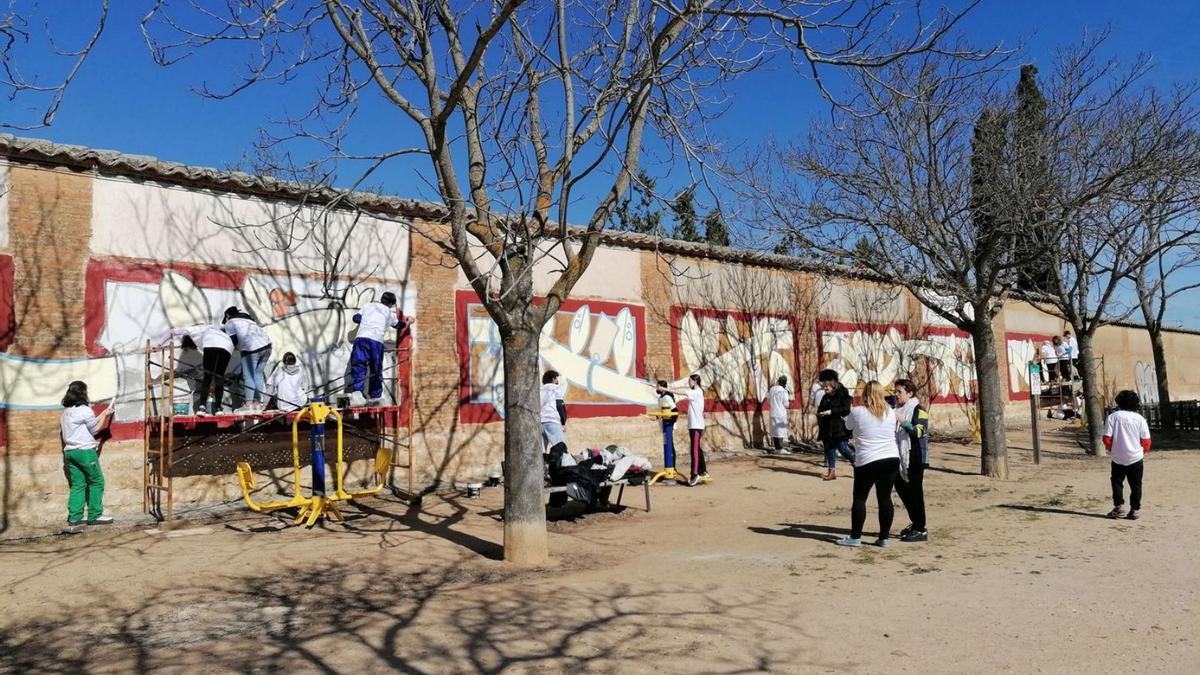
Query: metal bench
{"type": "Point", "coordinates": [552, 489]}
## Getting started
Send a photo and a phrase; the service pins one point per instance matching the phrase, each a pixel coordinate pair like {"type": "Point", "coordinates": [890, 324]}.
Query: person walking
{"type": "Point", "coordinates": [834, 406]}
{"type": "Point", "coordinates": [876, 461]}
{"type": "Point", "coordinates": [80, 427]}
{"type": "Point", "coordinates": [1127, 437]}
{"type": "Point", "coordinates": [779, 401]}
{"type": "Point", "coordinates": [255, 351]}
{"type": "Point", "coordinates": [912, 438]}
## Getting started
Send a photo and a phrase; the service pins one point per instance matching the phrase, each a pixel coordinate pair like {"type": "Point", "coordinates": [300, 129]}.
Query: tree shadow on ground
{"type": "Point", "coordinates": [1047, 509]}
{"type": "Point", "coordinates": [955, 472]}
{"type": "Point", "coordinates": [444, 617]}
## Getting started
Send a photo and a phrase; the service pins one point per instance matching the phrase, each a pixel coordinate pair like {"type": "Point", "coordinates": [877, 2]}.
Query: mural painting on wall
{"type": "Point", "coordinates": [597, 347]}
{"type": "Point", "coordinates": [942, 360]}
{"type": "Point", "coordinates": [737, 356]}
{"type": "Point", "coordinates": [1145, 379]}
{"type": "Point", "coordinates": [1022, 348]}
{"type": "Point", "coordinates": [129, 303]}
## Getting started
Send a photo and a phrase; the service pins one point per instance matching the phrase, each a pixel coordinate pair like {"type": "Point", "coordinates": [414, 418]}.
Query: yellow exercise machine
{"type": "Point", "coordinates": [667, 417]}
{"type": "Point", "coordinates": [319, 503]}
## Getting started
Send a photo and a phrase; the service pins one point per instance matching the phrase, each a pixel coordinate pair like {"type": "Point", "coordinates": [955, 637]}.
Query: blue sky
{"type": "Point", "coordinates": [122, 101]}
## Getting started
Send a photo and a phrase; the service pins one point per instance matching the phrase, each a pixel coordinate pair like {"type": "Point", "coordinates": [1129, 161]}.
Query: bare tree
{"type": "Point", "coordinates": [909, 194]}
{"type": "Point", "coordinates": [45, 91]}
{"type": "Point", "coordinates": [528, 113]}
{"type": "Point", "coordinates": [1156, 281]}
{"type": "Point", "coordinates": [1111, 144]}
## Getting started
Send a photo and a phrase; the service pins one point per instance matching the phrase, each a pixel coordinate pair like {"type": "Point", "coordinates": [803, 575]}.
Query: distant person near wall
{"type": "Point", "coordinates": [80, 429]}
{"type": "Point", "coordinates": [779, 401]}
{"type": "Point", "coordinates": [832, 410]}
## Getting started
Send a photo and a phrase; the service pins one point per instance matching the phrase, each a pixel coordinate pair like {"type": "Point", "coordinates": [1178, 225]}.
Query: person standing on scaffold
{"type": "Point", "coordinates": [366, 359]}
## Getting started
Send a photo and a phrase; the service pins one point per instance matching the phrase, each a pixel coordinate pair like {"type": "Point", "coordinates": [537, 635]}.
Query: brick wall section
{"type": "Point", "coordinates": [444, 448]}
{"type": "Point", "coordinates": [50, 220]}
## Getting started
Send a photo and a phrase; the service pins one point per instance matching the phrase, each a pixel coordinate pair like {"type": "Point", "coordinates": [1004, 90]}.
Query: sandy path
{"type": "Point", "coordinates": [738, 576]}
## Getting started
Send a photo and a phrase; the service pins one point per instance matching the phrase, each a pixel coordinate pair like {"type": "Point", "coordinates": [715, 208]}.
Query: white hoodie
{"type": "Point", "coordinates": [289, 384]}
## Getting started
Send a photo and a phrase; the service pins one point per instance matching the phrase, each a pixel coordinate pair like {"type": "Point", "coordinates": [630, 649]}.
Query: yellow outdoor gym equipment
{"type": "Point", "coordinates": [319, 503]}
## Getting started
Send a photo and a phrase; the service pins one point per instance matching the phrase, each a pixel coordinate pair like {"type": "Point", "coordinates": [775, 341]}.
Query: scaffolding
{"type": "Point", "coordinates": [176, 442]}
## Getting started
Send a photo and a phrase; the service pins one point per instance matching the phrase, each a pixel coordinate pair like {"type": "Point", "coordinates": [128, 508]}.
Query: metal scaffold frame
{"type": "Point", "coordinates": [160, 423]}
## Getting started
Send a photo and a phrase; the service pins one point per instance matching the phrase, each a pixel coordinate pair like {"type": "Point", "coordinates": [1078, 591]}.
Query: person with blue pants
{"type": "Point", "coordinates": [255, 347]}
{"type": "Point", "coordinates": [366, 357]}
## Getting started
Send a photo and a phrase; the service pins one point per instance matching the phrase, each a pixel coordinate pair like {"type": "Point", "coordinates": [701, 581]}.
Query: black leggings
{"type": "Point", "coordinates": [216, 360]}
{"type": "Point", "coordinates": [1134, 473]}
{"type": "Point", "coordinates": [912, 491]}
{"type": "Point", "coordinates": [880, 474]}
{"type": "Point", "coordinates": [699, 468]}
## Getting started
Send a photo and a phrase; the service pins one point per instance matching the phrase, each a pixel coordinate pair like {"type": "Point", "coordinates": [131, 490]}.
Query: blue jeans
{"type": "Point", "coordinates": [552, 434]}
{"type": "Point", "coordinates": [835, 448]}
{"type": "Point", "coordinates": [254, 374]}
{"type": "Point", "coordinates": [366, 367]}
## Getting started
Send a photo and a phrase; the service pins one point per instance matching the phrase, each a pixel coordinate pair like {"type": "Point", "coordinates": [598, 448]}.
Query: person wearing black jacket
{"type": "Point", "coordinates": [831, 425]}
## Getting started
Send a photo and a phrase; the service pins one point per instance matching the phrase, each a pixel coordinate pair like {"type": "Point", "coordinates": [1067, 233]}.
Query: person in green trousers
{"type": "Point", "coordinates": [80, 426]}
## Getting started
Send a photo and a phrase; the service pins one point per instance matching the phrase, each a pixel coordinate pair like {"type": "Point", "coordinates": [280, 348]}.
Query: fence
{"type": "Point", "coordinates": [1187, 415]}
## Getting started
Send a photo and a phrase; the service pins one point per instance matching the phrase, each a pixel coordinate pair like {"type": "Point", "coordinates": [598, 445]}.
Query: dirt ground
{"type": "Point", "coordinates": [1023, 575]}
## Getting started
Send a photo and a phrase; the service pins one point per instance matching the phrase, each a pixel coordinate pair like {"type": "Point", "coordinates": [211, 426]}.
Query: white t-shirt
{"type": "Point", "coordinates": [374, 320]}
{"type": "Point", "coordinates": [666, 402]}
{"type": "Point", "coordinates": [1048, 353]}
{"type": "Point", "coordinates": [289, 384]}
{"type": "Point", "coordinates": [1074, 344]}
{"type": "Point", "coordinates": [874, 438]}
{"type": "Point", "coordinates": [79, 426]}
{"type": "Point", "coordinates": [1127, 429]}
{"type": "Point", "coordinates": [1062, 351]}
{"type": "Point", "coordinates": [551, 395]}
{"type": "Point", "coordinates": [695, 396]}
{"type": "Point", "coordinates": [206, 337]}
{"type": "Point", "coordinates": [250, 336]}
{"type": "Point", "coordinates": [779, 400]}
{"type": "Point", "coordinates": [816, 394]}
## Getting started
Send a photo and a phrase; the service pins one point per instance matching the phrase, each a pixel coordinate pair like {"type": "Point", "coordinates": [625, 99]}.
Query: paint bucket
{"type": "Point", "coordinates": [473, 490]}
{"type": "Point", "coordinates": [181, 408]}
{"type": "Point", "coordinates": [494, 480]}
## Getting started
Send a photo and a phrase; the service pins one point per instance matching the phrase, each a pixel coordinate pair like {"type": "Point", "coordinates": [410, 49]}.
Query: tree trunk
{"type": "Point", "coordinates": [1093, 403]}
{"type": "Point", "coordinates": [524, 502]}
{"type": "Point", "coordinates": [1166, 414]}
{"type": "Point", "coordinates": [994, 456]}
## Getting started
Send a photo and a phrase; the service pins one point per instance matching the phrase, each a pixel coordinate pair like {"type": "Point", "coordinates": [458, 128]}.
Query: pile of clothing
{"type": "Point", "coordinates": [582, 475]}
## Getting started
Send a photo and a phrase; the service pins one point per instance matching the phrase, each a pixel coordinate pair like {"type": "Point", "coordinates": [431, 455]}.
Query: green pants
{"type": "Point", "coordinates": [87, 484]}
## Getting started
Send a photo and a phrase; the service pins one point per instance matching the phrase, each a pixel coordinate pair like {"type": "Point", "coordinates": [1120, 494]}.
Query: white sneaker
{"type": "Point", "coordinates": [373, 402]}
{"type": "Point", "coordinates": [247, 409]}
{"type": "Point", "coordinates": [357, 400]}
{"type": "Point", "coordinates": [201, 411]}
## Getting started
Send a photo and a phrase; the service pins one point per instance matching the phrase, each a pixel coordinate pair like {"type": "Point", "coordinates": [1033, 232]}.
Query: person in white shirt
{"type": "Point", "coordinates": [876, 462]}
{"type": "Point", "coordinates": [1127, 437]}
{"type": "Point", "coordinates": [1049, 361]}
{"type": "Point", "coordinates": [1062, 351]}
{"type": "Point", "coordinates": [217, 349]}
{"type": "Point", "coordinates": [779, 401]}
{"type": "Point", "coordinates": [80, 427]}
{"type": "Point", "coordinates": [255, 347]}
{"type": "Point", "coordinates": [1073, 344]}
{"type": "Point", "coordinates": [553, 411]}
{"type": "Point", "coordinates": [695, 416]}
{"type": "Point", "coordinates": [289, 384]}
{"type": "Point", "coordinates": [366, 359]}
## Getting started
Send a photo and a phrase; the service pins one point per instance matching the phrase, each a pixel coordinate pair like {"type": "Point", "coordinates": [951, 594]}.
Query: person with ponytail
{"type": "Point", "coordinates": [876, 461]}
